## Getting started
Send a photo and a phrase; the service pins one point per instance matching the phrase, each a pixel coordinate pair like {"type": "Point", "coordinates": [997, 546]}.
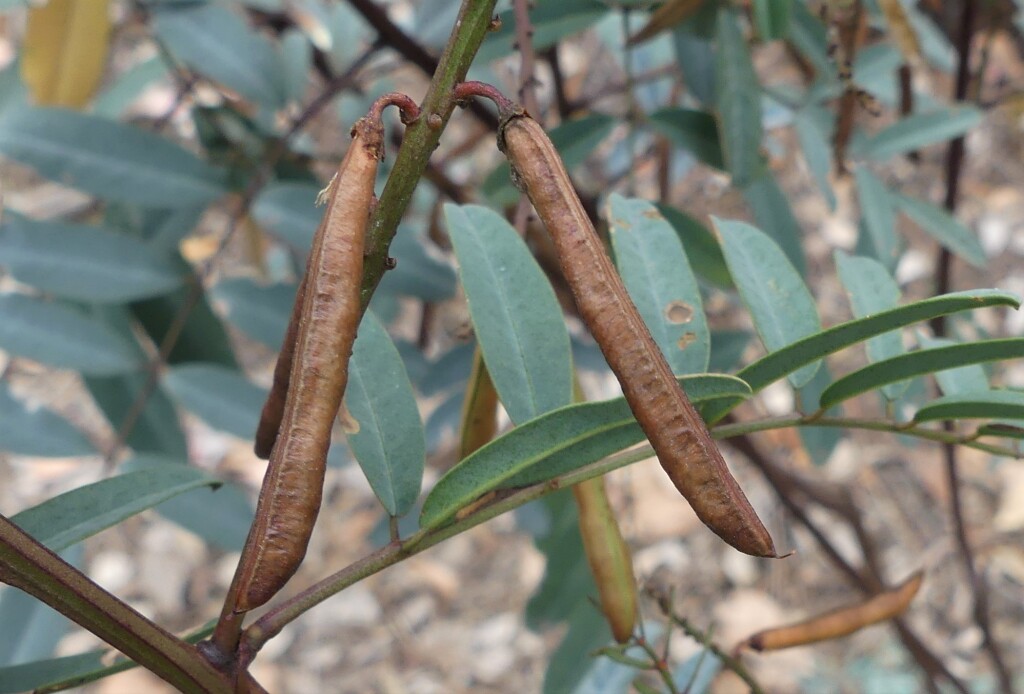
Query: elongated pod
{"type": "Point", "coordinates": [273, 409]}
{"type": "Point", "coordinates": [840, 622]}
{"type": "Point", "coordinates": [608, 556]}
{"type": "Point", "coordinates": [325, 331]}
{"type": "Point", "coordinates": [676, 432]}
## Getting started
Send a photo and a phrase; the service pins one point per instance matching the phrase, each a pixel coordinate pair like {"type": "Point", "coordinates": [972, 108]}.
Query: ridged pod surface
{"type": "Point", "coordinates": [676, 432]}
{"type": "Point", "coordinates": [328, 313]}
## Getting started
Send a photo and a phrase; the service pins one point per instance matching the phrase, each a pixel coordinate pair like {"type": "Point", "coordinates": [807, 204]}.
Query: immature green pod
{"type": "Point", "coordinates": [676, 432]}
{"type": "Point", "coordinates": [608, 556]}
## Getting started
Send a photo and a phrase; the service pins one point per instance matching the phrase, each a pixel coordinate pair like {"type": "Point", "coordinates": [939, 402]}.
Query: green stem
{"type": "Point", "coordinates": [28, 565]}
{"type": "Point", "coordinates": [271, 623]}
{"type": "Point", "coordinates": [421, 138]}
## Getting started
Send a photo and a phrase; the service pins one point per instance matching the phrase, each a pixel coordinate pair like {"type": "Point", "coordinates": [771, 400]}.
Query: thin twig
{"type": "Point", "coordinates": [527, 72]}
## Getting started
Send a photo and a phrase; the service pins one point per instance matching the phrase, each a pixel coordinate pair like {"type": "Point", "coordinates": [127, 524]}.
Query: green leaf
{"type": "Point", "coordinates": [695, 131]}
{"type": "Point", "coordinates": [657, 275]}
{"type": "Point", "coordinates": [607, 675]}
{"type": "Point", "coordinates": [157, 429]}
{"type": "Point", "coordinates": [553, 444]}
{"type": "Point", "coordinates": [419, 273]}
{"type": "Point", "coordinates": [73, 516]}
{"type": "Point", "coordinates": [128, 86]}
{"type": "Point", "coordinates": [84, 262]}
{"type": "Point", "coordinates": [1006, 428]}
{"type": "Point", "coordinates": [588, 631]}
{"type": "Point", "coordinates": [771, 17]}
{"type": "Point", "coordinates": [977, 404]}
{"type": "Point", "coordinates": [809, 36]}
{"type": "Point", "coordinates": [944, 228]}
{"type": "Point", "coordinates": [774, 217]}
{"type": "Point", "coordinates": [296, 62]}
{"type": "Point", "coordinates": [921, 362]}
{"type": "Point", "coordinates": [215, 42]}
{"type": "Point", "coordinates": [551, 22]}
{"type": "Point", "coordinates": [919, 130]}
{"type": "Point", "coordinates": [32, 628]}
{"type": "Point", "coordinates": [695, 57]}
{"type": "Point", "coordinates": [389, 445]}
{"type": "Point", "coordinates": [220, 396]}
{"type": "Point", "coordinates": [59, 335]}
{"type": "Point", "coordinates": [575, 140]}
{"type": "Point", "coordinates": [515, 312]}
{"type": "Point", "coordinates": [819, 442]}
{"type": "Point", "coordinates": [727, 347]}
{"type": "Point", "coordinates": [878, 216]}
{"type": "Point", "coordinates": [260, 311]}
{"type": "Point", "coordinates": [222, 520]}
{"type": "Point", "coordinates": [72, 670]}
{"type": "Point", "coordinates": [813, 127]}
{"type": "Point", "coordinates": [554, 522]}
{"type": "Point", "coordinates": [872, 290]}
{"type": "Point", "coordinates": [738, 100]}
{"type": "Point", "coordinates": [779, 301]}
{"type": "Point", "coordinates": [287, 210]}
{"type": "Point", "coordinates": [37, 431]}
{"type": "Point", "coordinates": [965, 379]}
{"type": "Point", "coordinates": [702, 249]}
{"type": "Point", "coordinates": [107, 159]}
{"type": "Point", "coordinates": [776, 365]}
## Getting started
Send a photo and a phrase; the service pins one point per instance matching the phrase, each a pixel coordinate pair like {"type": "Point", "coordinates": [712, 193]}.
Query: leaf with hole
{"type": "Point", "coordinates": [657, 275]}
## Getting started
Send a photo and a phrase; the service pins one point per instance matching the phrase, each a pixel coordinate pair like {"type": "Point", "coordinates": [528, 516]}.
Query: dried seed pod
{"type": "Point", "coordinates": [608, 556]}
{"type": "Point", "coordinates": [840, 622]}
{"type": "Point", "coordinates": [676, 432]}
{"type": "Point", "coordinates": [325, 330]}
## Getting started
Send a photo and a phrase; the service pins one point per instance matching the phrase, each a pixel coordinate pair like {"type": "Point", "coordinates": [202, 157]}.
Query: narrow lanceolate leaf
{"type": "Point", "coordinates": [216, 42]}
{"type": "Point", "coordinates": [517, 318]}
{"type": "Point", "coordinates": [774, 216]}
{"type": "Point", "coordinates": [111, 160]}
{"type": "Point", "coordinates": [37, 431]}
{"type": "Point", "coordinates": [73, 516]}
{"type": "Point", "coordinates": [963, 379]}
{"type": "Point", "coordinates": [901, 30]}
{"type": "Point", "coordinates": [979, 404]}
{"type": "Point", "coordinates": [921, 130]}
{"type": "Point", "coordinates": [701, 247]}
{"type": "Point", "coordinates": [921, 362]}
{"type": "Point", "coordinates": [779, 301]}
{"type": "Point", "coordinates": [287, 210]}
{"type": "Point", "coordinates": [64, 51]}
{"type": "Point", "coordinates": [220, 396]}
{"type": "Point", "coordinates": [738, 100]}
{"type": "Point", "coordinates": [813, 127]}
{"type": "Point", "coordinates": [58, 335]}
{"type": "Point", "coordinates": [389, 444]}
{"type": "Point", "coordinates": [260, 311]}
{"type": "Point", "coordinates": [657, 274]}
{"type": "Point", "coordinates": [692, 130]}
{"type": "Point", "coordinates": [944, 228]}
{"type": "Point", "coordinates": [878, 216]}
{"type": "Point", "coordinates": [872, 290]}
{"type": "Point", "coordinates": [778, 364]}
{"type": "Point", "coordinates": [84, 262]}
{"type": "Point", "coordinates": [771, 17]}
{"type": "Point", "coordinates": [554, 444]}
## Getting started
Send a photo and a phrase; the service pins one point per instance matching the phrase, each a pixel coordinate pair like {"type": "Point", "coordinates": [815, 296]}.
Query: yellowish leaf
{"type": "Point", "coordinates": [65, 50]}
{"type": "Point", "coordinates": [901, 31]}
{"type": "Point", "coordinates": [665, 17]}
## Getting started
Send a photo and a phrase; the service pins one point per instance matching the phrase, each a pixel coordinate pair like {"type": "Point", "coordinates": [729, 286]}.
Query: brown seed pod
{"type": "Point", "coordinates": [840, 622]}
{"type": "Point", "coordinates": [676, 432]}
{"type": "Point", "coordinates": [273, 409]}
{"type": "Point", "coordinates": [608, 556]}
{"type": "Point", "coordinates": [325, 331]}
